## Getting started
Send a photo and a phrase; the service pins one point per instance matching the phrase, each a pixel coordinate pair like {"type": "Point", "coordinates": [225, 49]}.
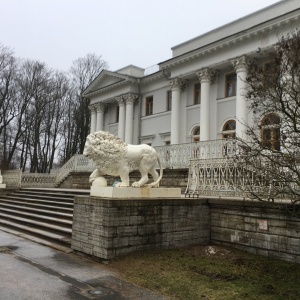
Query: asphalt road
{"type": "Point", "coordinates": [32, 271]}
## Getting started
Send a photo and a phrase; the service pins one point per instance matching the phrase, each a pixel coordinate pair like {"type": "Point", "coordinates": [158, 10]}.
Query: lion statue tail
{"type": "Point", "coordinates": [155, 183]}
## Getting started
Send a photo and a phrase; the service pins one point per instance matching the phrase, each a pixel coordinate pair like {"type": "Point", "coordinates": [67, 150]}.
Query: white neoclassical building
{"type": "Point", "coordinates": [197, 95]}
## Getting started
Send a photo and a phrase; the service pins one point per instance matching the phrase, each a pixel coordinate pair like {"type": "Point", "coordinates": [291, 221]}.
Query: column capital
{"type": "Point", "coordinates": [206, 75]}
{"type": "Point", "coordinates": [177, 84]}
{"type": "Point", "coordinates": [120, 100]}
{"type": "Point", "coordinates": [240, 63]}
{"type": "Point", "coordinates": [92, 107]}
{"type": "Point", "coordinates": [100, 107]}
{"type": "Point", "coordinates": [130, 98]}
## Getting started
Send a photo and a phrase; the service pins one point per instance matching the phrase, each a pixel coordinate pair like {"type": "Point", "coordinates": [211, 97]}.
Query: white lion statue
{"type": "Point", "coordinates": [116, 158]}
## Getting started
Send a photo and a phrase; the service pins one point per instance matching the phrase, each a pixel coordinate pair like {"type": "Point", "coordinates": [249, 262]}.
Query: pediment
{"type": "Point", "coordinates": [106, 79]}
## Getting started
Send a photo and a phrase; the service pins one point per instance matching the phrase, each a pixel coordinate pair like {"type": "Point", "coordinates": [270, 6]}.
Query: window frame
{"type": "Point", "coordinates": [196, 134]}
{"type": "Point", "coordinates": [169, 100]}
{"type": "Point", "coordinates": [117, 113]}
{"type": "Point", "coordinates": [273, 142]}
{"type": "Point", "coordinates": [149, 106]}
{"type": "Point", "coordinates": [230, 133]}
{"type": "Point", "coordinates": [234, 84]}
{"type": "Point", "coordinates": [197, 93]}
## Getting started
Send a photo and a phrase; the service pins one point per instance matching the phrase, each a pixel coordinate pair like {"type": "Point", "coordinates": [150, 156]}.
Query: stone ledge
{"type": "Point", "coordinates": [135, 193]}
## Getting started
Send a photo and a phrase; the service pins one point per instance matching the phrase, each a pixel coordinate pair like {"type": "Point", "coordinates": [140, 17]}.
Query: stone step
{"type": "Point", "coordinates": [56, 191]}
{"type": "Point", "coordinates": [40, 211]}
{"type": "Point", "coordinates": [53, 197]}
{"type": "Point", "coordinates": [49, 205]}
{"type": "Point", "coordinates": [31, 217]}
{"type": "Point", "coordinates": [49, 202]}
{"type": "Point", "coordinates": [58, 241]}
{"type": "Point", "coordinates": [42, 215]}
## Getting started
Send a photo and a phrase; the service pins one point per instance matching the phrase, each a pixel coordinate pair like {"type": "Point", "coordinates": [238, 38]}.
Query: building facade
{"type": "Point", "coordinates": [198, 94]}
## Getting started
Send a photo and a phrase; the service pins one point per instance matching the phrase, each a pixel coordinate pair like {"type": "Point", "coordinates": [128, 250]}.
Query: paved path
{"type": "Point", "coordinates": [31, 271]}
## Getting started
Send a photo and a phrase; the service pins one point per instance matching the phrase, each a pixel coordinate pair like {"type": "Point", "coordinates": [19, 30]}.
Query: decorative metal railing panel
{"type": "Point", "coordinates": [179, 156]}
{"type": "Point", "coordinates": [38, 180]}
{"type": "Point", "coordinates": [228, 177]}
{"type": "Point", "coordinates": [12, 178]}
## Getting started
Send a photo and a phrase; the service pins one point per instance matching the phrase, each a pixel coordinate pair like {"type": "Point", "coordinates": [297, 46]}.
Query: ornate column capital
{"type": "Point", "coordinates": [92, 108]}
{"type": "Point", "coordinates": [130, 98]}
{"type": "Point", "coordinates": [100, 107]}
{"type": "Point", "coordinates": [240, 63]}
{"type": "Point", "coordinates": [207, 75]}
{"type": "Point", "coordinates": [120, 100]}
{"type": "Point", "coordinates": [177, 84]}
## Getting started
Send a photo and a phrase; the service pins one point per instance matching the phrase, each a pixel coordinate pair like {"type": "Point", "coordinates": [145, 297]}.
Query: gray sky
{"type": "Point", "coordinates": [138, 32]}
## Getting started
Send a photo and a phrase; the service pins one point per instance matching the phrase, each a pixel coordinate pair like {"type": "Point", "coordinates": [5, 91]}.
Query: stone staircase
{"type": "Point", "coordinates": [42, 215]}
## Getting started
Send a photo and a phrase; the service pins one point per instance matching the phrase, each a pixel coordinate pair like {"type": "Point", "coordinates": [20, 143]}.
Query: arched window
{"type": "Point", "coordinates": [196, 134]}
{"type": "Point", "coordinates": [270, 131]}
{"type": "Point", "coordinates": [228, 130]}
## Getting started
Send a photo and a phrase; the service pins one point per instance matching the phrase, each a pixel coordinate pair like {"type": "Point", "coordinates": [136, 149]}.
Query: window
{"type": "Point", "coordinates": [230, 85]}
{"type": "Point", "coordinates": [149, 106]}
{"type": "Point", "coordinates": [117, 113]}
{"type": "Point", "coordinates": [169, 100]}
{"type": "Point", "coordinates": [196, 134]}
{"type": "Point", "coordinates": [228, 131]}
{"type": "Point", "coordinates": [197, 93]}
{"type": "Point", "coordinates": [270, 131]}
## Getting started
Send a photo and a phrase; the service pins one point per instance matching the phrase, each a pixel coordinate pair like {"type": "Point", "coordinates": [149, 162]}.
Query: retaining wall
{"type": "Point", "coordinates": [258, 227]}
{"type": "Point", "coordinates": [106, 228]}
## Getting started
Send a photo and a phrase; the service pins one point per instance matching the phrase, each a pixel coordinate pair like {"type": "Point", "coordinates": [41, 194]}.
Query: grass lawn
{"type": "Point", "coordinates": [210, 272]}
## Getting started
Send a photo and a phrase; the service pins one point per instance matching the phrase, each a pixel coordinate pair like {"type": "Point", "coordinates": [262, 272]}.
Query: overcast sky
{"type": "Point", "coordinates": [138, 32]}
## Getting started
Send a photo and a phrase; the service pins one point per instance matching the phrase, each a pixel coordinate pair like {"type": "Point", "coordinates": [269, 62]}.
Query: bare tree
{"type": "Point", "coordinates": [8, 73]}
{"type": "Point", "coordinates": [271, 155]}
{"type": "Point", "coordinates": [83, 72]}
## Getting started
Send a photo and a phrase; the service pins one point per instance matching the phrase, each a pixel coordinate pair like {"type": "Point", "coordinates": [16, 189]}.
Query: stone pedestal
{"type": "Point", "coordinates": [106, 227]}
{"type": "Point", "coordinates": [135, 193]}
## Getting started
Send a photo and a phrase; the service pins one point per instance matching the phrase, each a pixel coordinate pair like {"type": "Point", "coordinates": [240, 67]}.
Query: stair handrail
{"type": "Point", "coordinates": [78, 162]}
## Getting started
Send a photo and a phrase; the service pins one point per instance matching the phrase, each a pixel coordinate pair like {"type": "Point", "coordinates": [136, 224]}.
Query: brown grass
{"type": "Point", "coordinates": [210, 272]}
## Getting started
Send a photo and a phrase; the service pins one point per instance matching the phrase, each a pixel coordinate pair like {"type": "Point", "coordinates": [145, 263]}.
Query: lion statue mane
{"type": "Point", "coordinates": [114, 157]}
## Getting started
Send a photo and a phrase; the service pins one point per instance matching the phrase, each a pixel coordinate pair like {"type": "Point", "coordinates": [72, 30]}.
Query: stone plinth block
{"type": "Point", "coordinates": [136, 193]}
{"type": "Point", "coordinates": [2, 185]}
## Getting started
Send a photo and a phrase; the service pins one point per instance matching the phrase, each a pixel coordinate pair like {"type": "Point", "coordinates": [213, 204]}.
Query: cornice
{"type": "Point", "coordinates": [231, 41]}
{"type": "Point", "coordinates": [110, 87]}
{"type": "Point", "coordinates": [152, 77]}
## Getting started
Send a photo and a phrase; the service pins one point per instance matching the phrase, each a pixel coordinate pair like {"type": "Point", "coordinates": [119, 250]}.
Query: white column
{"type": "Point", "coordinates": [129, 100]}
{"type": "Point", "coordinates": [240, 65]}
{"type": "Point", "coordinates": [205, 77]}
{"type": "Point", "coordinates": [93, 118]}
{"type": "Point", "coordinates": [100, 116]}
{"type": "Point", "coordinates": [121, 127]}
{"type": "Point", "coordinates": [176, 87]}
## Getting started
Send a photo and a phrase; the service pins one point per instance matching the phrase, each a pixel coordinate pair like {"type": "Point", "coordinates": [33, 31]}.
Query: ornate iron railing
{"type": "Point", "coordinates": [229, 177]}
{"type": "Point", "coordinates": [179, 156]}
{"type": "Point", "coordinates": [76, 164]}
